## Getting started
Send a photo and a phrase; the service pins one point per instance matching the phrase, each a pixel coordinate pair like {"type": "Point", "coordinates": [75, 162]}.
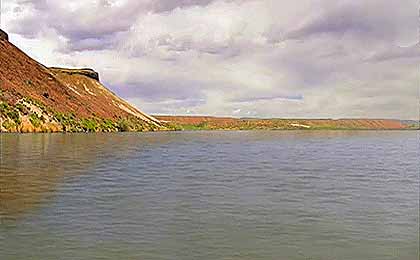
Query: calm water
{"type": "Point", "coordinates": [210, 195]}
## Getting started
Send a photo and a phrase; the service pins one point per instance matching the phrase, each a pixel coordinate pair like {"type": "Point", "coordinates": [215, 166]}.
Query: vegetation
{"type": "Point", "coordinates": [200, 126]}
{"type": "Point", "coordinates": [11, 112]}
{"type": "Point", "coordinates": [133, 124]}
{"type": "Point", "coordinates": [67, 121]}
{"type": "Point", "coordinates": [9, 125]}
{"type": "Point", "coordinates": [124, 125]}
{"type": "Point", "coordinates": [12, 115]}
{"type": "Point", "coordinates": [71, 124]}
{"type": "Point", "coordinates": [108, 125]}
{"type": "Point", "coordinates": [89, 125]}
{"type": "Point", "coordinates": [173, 127]}
{"type": "Point", "coordinates": [38, 104]}
{"type": "Point", "coordinates": [414, 126]}
{"type": "Point", "coordinates": [35, 120]}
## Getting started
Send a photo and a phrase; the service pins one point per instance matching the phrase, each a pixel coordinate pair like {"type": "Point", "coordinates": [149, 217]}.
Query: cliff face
{"type": "Point", "coordinates": [36, 98]}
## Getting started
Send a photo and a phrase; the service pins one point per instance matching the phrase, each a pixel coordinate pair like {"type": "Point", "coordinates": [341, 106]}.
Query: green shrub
{"type": "Point", "coordinates": [10, 112]}
{"type": "Point", "coordinates": [68, 122]}
{"type": "Point", "coordinates": [108, 125]}
{"type": "Point", "coordinates": [89, 125]}
{"type": "Point", "coordinates": [39, 104]}
{"type": "Point", "coordinates": [7, 124]}
{"type": "Point", "coordinates": [14, 115]}
{"type": "Point", "coordinates": [35, 120]}
{"type": "Point", "coordinates": [4, 108]}
{"type": "Point", "coordinates": [124, 125]}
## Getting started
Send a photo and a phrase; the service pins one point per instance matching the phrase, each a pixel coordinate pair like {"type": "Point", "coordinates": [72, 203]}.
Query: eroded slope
{"type": "Point", "coordinates": [36, 98]}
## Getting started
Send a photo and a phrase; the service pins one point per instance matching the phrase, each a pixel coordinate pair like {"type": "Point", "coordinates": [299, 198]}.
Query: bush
{"type": "Point", "coordinates": [68, 122]}
{"type": "Point", "coordinates": [9, 125]}
{"type": "Point", "coordinates": [35, 120]}
{"type": "Point", "coordinates": [108, 125]}
{"type": "Point", "coordinates": [89, 125]}
{"type": "Point", "coordinates": [124, 125]}
{"type": "Point", "coordinates": [10, 112]}
{"type": "Point", "coordinates": [4, 108]}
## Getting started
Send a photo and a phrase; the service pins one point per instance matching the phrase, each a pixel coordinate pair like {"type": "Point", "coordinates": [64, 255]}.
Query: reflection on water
{"type": "Point", "coordinates": [33, 165]}
{"type": "Point", "coordinates": [210, 195]}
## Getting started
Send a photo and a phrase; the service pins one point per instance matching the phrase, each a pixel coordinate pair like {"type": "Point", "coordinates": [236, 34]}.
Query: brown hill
{"type": "Point", "coordinates": [36, 98]}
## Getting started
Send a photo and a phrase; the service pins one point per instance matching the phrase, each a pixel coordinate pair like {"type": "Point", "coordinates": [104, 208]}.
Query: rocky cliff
{"type": "Point", "coordinates": [34, 98]}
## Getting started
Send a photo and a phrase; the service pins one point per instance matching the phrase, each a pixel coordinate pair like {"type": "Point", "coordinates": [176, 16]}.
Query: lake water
{"type": "Point", "coordinates": [286, 195]}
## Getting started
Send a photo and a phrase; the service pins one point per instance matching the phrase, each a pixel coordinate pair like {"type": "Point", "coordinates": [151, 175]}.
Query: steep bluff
{"type": "Point", "coordinates": [35, 98]}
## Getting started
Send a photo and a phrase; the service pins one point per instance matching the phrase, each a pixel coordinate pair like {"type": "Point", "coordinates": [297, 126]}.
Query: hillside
{"type": "Point", "coordinates": [34, 98]}
{"type": "Point", "coordinates": [228, 123]}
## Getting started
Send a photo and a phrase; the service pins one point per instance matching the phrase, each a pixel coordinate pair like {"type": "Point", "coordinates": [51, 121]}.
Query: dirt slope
{"type": "Point", "coordinates": [31, 90]}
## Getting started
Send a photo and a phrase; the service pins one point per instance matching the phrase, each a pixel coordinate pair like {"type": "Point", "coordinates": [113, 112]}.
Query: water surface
{"type": "Point", "coordinates": [285, 195]}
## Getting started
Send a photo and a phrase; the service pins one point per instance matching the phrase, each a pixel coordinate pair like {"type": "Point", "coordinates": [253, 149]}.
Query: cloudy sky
{"type": "Point", "coordinates": [243, 58]}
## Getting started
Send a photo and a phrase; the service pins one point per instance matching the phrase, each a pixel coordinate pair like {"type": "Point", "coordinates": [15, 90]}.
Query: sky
{"type": "Point", "coordinates": [241, 58]}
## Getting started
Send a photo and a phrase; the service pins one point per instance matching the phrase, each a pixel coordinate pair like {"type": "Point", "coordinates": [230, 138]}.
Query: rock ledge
{"type": "Point", "coordinates": [90, 73]}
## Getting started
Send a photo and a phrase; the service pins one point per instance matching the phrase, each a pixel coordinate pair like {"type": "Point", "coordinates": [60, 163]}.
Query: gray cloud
{"type": "Point", "coordinates": [168, 5]}
{"type": "Point", "coordinates": [345, 19]}
{"type": "Point", "coordinates": [396, 52]}
{"type": "Point", "coordinates": [86, 23]}
{"type": "Point", "coordinates": [368, 20]}
{"type": "Point", "coordinates": [90, 20]}
{"type": "Point", "coordinates": [269, 98]}
{"type": "Point", "coordinates": [159, 90]}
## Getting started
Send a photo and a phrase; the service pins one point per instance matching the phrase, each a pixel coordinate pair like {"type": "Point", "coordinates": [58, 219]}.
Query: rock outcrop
{"type": "Point", "coordinates": [3, 35]}
{"type": "Point", "coordinates": [90, 73]}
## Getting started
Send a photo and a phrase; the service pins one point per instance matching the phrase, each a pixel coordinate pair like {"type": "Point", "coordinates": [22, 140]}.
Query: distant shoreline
{"type": "Point", "coordinates": [230, 123]}
{"type": "Point", "coordinates": [211, 123]}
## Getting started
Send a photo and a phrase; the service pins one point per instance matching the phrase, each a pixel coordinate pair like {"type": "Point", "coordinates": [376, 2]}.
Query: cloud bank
{"type": "Point", "coordinates": [263, 58]}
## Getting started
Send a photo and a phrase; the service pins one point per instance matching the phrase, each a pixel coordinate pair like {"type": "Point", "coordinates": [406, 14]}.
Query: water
{"type": "Point", "coordinates": [210, 195]}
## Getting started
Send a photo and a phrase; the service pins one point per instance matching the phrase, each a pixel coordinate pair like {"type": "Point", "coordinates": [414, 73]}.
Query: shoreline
{"type": "Point", "coordinates": [214, 130]}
